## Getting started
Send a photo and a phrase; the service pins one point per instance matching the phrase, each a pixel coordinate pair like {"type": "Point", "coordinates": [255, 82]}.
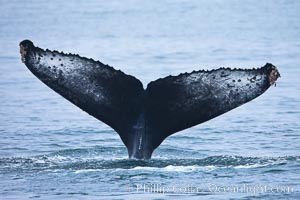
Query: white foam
{"type": "Point", "coordinates": [87, 170]}
{"type": "Point", "coordinates": [256, 165]}
{"type": "Point", "coordinates": [169, 168]}
{"type": "Point", "coordinates": [59, 159]}
{"type": "Point", "coordinates": [177, 168]}
{"type": "Point", "coordinates": [250, 166]}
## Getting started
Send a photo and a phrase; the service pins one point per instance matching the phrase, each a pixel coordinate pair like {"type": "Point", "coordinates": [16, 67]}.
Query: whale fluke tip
{"type": "Point", "coordinates": [25, 45]}
{"type": "Point", "coordinates": [272, 72]}
{"type": "Point", "coordinates": [274, 75]}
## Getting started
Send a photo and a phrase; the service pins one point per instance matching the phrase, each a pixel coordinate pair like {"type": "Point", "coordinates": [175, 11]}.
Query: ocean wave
{"type": "Point", "coordinates": [63, 161]}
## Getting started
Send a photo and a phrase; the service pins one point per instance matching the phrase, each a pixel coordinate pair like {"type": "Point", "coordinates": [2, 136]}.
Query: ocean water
{"type": "Point", "coordinates": [50, 149]}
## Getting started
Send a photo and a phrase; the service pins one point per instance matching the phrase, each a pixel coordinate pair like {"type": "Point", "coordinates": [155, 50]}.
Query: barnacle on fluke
{"type": "Point", "coordinates": [145, 117]}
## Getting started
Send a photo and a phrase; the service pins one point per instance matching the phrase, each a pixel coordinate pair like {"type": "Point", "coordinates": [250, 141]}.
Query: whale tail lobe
{"type": "Point", "coordinates": [145, 117]}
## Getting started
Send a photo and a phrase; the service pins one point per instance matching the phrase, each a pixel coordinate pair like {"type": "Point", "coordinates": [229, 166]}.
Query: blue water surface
{"type": "Point", "coordinates": [50, 149]}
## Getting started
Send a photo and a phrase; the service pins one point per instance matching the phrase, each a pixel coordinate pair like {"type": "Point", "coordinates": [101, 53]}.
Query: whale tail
{"type": "Point", "coordinates": [145, 117]}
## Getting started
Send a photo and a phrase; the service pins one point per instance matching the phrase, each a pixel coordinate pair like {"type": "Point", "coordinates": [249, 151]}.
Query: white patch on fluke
{"type": "Point", "coordinates": [140, 144]}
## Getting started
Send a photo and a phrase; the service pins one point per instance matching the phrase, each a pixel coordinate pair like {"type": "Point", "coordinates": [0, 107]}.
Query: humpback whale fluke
{"type": "Point", "coordinates": [145, 117]}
